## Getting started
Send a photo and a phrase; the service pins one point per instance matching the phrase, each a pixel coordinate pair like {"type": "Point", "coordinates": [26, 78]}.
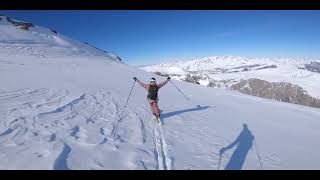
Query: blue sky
{"type": "Point", "coordinates": [146, 37]}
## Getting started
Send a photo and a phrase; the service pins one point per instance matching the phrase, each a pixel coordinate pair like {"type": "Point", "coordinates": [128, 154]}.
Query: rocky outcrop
{"type": "Point", "coordinates": [192, 79]}
{"type": "Point", "coordinates": [267, 67]}
{"type": "Point", "coordinates": [54, 31]}
{"type": "Point", "coordinates": [313, 66]}
{"type": "Point", "coordinates": [221, 83]}
{"type": "Point", "coordinates": [161, 74]}
{"type": "Point", "coordinates": [280, 91]}
{"type": "Point", "coordinates": [21, 25]}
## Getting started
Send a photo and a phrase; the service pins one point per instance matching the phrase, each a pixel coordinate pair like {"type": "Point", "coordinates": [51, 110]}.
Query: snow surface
{"type": "Point", "coordinates": [62, 107]}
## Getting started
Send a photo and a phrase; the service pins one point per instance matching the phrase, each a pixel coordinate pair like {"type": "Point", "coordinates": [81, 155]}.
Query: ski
{"type": "Point", "coordinates": [157, 120]}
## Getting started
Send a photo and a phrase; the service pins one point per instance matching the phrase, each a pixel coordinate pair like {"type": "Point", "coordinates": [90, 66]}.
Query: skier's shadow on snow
{"type": "Point", "coordinates": [173, 113]}
{"type": "Point", "coordinates": [244, 143]}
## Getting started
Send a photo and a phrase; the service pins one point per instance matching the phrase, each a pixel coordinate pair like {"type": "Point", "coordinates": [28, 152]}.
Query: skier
{"type": "Point", "coordinates": [152, 97]}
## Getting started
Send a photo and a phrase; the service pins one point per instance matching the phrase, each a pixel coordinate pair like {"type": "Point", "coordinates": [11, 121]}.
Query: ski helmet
{"type": "Point", "coordinates": [153, 80]}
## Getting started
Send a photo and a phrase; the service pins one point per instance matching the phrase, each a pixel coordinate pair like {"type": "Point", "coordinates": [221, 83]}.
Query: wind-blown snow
{"type": "Point", "coordinates": [63, 108]}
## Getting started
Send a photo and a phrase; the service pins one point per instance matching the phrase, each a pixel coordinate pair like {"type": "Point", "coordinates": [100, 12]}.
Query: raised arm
{"type": "Point", "coordinates": [235, 142]}
{"type": "Point", "coordinates": [141, 83]}
{"type": "Point", "coordinates": [164, 82]}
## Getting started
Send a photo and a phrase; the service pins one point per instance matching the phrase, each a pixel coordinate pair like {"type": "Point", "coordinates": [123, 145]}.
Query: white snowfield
{"type": "Point", "coordinates": [231, 68]}
{"type": "Point", "coordinates": [62, 107]}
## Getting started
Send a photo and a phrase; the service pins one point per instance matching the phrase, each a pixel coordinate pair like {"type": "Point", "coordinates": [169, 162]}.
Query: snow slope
{"type": "Point", "coordinates": [235, 68]}
{"type": "Point", "coordinates": [42, 42]}
{"type": "Point", "coordinates": [65, 110]}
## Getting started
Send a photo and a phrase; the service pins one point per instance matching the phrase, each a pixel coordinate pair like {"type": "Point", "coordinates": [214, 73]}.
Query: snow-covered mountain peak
{"type": "Point", "coordinates": [16, 35]}
{"type": "Point", "coordinates": [226, 71]}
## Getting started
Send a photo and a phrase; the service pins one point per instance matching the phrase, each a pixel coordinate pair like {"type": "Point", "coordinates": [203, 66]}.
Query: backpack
{"type": "Point", "coordinates": [153, 92]}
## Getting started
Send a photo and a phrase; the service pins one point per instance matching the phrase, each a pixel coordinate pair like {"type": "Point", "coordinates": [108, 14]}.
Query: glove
{"type": "Point", "coordinates": [168, 78]}
{"type": "Point", "coordinates": [134, 78]}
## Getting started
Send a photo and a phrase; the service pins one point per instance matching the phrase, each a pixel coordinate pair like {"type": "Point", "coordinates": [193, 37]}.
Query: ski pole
{"type": "Point", "coordinates": [179, 90]}
{"type": "Point", "coordinates": [130, 93]}
{"type": "Point", "coordinates": [220, 156]}
{"type": "Point", "coordinates": [258, 154]}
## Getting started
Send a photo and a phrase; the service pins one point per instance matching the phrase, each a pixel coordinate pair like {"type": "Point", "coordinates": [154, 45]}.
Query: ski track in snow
{"type": "Point", "coordinates": [59, 116]}
{"type": "Point", "coordinates": [89, 119]}
{"type": "Point", "coordinates": [119, 117]}
{"type": "Point", "coordinates": [160, 145]}
{"type": "Point", "coordinates": [53, 115]}
{"type": "Point", "coordinates": [63, 112]}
